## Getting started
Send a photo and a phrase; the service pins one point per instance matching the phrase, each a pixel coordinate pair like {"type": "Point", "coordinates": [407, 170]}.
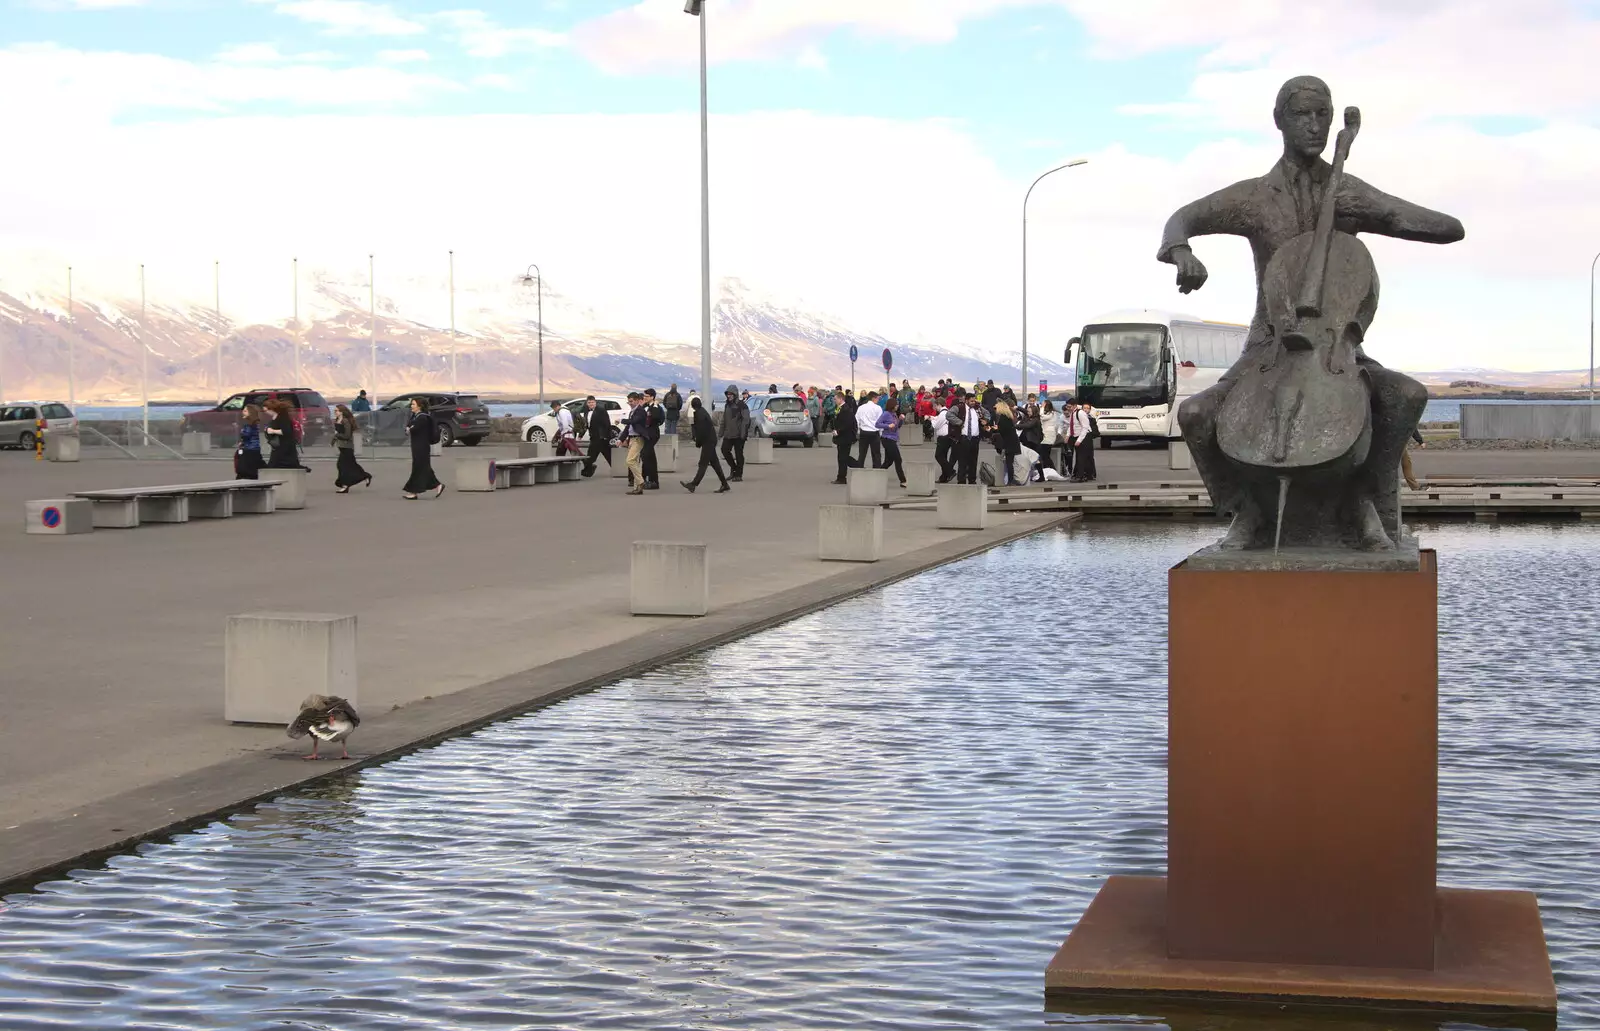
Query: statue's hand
{"type": "Point", "coordinates": [1191, 271]}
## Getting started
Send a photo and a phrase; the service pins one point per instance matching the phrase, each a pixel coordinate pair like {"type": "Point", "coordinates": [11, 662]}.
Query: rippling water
{"type": "Point", "coordinates": [885, 815]}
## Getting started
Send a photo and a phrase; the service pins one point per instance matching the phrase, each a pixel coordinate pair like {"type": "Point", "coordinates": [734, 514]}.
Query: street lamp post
{"type": "Point", "coordinates": [455, 388]}
{"type": "Point", "coordinates": [216, 284]}
{"type": "Point", "coordinates": [533, 275]}
{"type": "Point", "coordinates": [144, 358]}
{"type": "Point", "coordinates": [372, 322]}
{"type": "Point", "coordinates": [1070, 164]}
{"type": "Point", "coordinates": [296, 302]}
{"type": "Point", "coordinates": [72, 361]}
{"type": "Point", "coordinates": [697, 8]}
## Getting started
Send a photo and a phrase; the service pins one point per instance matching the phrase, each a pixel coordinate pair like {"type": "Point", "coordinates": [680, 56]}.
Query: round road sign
{"type": "Point", "coordinates": [854, 354]}
{"type": "Point", "coordinates": [51, 517]}
{"type": "Point", "coordinates": [888, 360]}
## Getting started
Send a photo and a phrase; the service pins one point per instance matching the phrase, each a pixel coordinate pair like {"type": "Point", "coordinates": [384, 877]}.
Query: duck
{"type": "Point", "coordinates": [326, 718]}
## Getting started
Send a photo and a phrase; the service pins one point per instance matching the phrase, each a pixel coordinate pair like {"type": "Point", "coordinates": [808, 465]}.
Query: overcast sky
{"type": "Point", "coordinates": [869, 156]}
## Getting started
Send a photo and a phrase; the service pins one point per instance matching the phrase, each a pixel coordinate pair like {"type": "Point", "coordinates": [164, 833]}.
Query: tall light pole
{"type": "Point", "coordinates": [296, 295]}
{"type": "Point", "coordinates": [72, 374]}
{"type": "Point", "coordinates": [453, 386]}
{"type": "Point", "coordinates": [534, 276]}
{"type": "Point", "coordinates": [216, 282]}
{"type": "Point", "coordinates": [1070, 164]}
{"type": "Point", "coordinates": [697, 8]}
{"type": "Point", "coordinates": [144, 358]}
{"type": "Point", "coordinates": [372, 320]}
{"type": "Point", "coordinates": [1591, 326]}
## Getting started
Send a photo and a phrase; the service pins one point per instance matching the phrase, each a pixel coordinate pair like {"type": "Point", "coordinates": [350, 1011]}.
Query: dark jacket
{"type": "Point", "coordinates": [703, 432]}
{"type": "Point", "coordinates": [673, 402]}
{"type": "Point", "coordinates": [656, 417]}
{"type": "Point", "coordinates": [736, 420]}
{"type": "Point", "coordinates": [1005, 435]}
{"type": "Point", "coordinates": [1028, 426]}
{"type": "Point", "coordinates": [638, 424]}
{"type": "Point", "coordinates": [844, 422]}
{"type": "Point", "coordinates": [599, 426]}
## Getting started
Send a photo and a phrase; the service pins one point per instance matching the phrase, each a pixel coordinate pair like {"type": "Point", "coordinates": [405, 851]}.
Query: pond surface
{"type": "Point", "coordinates": [885, 815]}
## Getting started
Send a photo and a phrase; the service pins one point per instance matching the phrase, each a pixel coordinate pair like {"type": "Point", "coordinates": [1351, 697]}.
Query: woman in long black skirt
{"type": "Point", "coordinates": [247, 461]}
{"type": "Point", "coordinates": [283, 437]}
{"type": "Point", "coordinates": [420, 429]}
{"type": "Point", "coordinates": [344, 438]}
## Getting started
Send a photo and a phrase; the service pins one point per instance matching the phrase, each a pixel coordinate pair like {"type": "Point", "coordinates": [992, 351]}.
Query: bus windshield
{"type": "Point", "coordinates": [1122, 366]}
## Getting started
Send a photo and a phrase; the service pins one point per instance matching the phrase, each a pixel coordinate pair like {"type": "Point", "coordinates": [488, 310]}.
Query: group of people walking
{"type": "Point", "coordinates": [278, 432]}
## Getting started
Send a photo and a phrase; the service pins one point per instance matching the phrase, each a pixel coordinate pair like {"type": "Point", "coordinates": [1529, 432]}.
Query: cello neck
{"type": "Point", "coordinates": [1316, 275]}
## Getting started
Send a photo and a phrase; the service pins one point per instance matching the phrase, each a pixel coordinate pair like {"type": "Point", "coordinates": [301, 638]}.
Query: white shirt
{"type": "Point", "coordinates": [1080, 425]}
{"type": "Point", "coordinates": [563, 422]}
{"type": "Point", "coordinates": [1050, 426]}
{"type": "Point", "coordinates": [941, 423]}
{"type": "Point", "coordinates": [971, 428]}
{"type": "Point", "coordinates": [867, 417]}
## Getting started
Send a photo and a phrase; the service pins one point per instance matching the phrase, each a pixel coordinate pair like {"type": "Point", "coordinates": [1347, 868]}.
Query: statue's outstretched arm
{"type": "Point", "coordinates": [1226, 212]}
{"type": "Point", "coordinates": [1363, 209]}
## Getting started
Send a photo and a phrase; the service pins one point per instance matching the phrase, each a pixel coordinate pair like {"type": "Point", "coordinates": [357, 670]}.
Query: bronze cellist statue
{"type": "Point", "coordinates": [1354, 506]}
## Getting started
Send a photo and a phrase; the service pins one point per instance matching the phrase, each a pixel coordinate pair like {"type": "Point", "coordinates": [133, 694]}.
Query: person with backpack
{"type": "Point", "coordinates": [830, 404]}
{"type": "Point", "coordinates": [424, 433]}
{"type": "Point", "coordinates": [673, 403]}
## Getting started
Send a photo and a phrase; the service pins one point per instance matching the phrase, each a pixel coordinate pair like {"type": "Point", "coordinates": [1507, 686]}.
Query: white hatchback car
{"type": "Point", "coordinates": [19, 421]}
{"type": "Point", "coordinates": [542, 428]}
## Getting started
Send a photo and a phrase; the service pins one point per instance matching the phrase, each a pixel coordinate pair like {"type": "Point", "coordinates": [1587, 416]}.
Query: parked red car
{"type": "Point", "coordinates": [312, 419]}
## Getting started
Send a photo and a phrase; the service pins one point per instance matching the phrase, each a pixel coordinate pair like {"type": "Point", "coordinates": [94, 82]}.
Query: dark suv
{"type": "Point", "coordinates": [311, 416]}
{"type": "Point", "coordinates": [460, 417]}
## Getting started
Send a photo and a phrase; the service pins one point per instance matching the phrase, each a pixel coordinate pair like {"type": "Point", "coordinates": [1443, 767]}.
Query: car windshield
{"type": "Point", "coordinates": [397, 403]}
{"type": "Point", "coordinates": [786, 404]}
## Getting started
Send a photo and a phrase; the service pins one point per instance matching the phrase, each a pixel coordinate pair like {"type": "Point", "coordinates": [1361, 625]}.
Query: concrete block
{"type": "Point", "coordinates": [849, 533]}
{"type": "Point", "coordinates": [291, 487]}
{"type": "Point", "coordinates": [619, 463]}
{"type": "Point", "coordinates": [518, 476]}
{"type": "Point", "coordinates": [196, 443]}
{"type": "Point", "coordinates": [119, 514]}
{"type": "Point", "coordinates": [920, 477]}
{"type": "Point", "coordinates": [55, 518]}
{"type": "Point", "coordinates": [911, 436]}
{"type": "Point", "coordinates": [174, 509]}
{"type": "Point", "coordinates": [963, 506]}
{"type": "Point", "coordinates": [546, 474]}
{"type": "Point", "coordinates": [477, 474]}
{"type": "Point", "coordinates": [536, 449]}
{"type": "Point", "coordinates": [1549, 421]}
{"type": "Point", "coordinates": [569, 471]}
{"type": "Point", "coordinates": [275, 659]}
{"type": "Point", "coordinates": [62, 447]}
{"type": "Point", "coordinates": [211, 506]}
{"type": "Point", "coordinates": [436, 450]}
{"type": "Point", "coordinates": [866, 487]}
{"type": "Point", "coordinates": [255, 502]}
{"type": "Point", "coordinates": [666, 459]}
{"type": "Point", "coordinates": [670, 578]}
{"type": "Point", "coordinates": [758, 451]}
{"type": "Point", "coordinates": [1178, 455]}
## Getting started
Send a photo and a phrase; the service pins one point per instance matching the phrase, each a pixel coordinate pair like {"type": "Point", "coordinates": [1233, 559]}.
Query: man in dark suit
{"type": "Point", "coordinates": [657, 417]}
{"type": "Point", "coordinates": [704, 434]}
{"type": "Point", "coordinates": [599, 422]}
{"type": "Point", "coordinates": [844, 431]}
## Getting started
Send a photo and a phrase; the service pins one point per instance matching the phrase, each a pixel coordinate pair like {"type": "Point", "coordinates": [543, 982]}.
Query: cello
{"type": "Point", "coordinates": [1303, 414]}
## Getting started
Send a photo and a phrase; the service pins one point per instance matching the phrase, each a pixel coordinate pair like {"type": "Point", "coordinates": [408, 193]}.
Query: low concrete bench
{"type": "Point", "coordinates": [525, 472]}
{"type": "Point", "coordinates": [178, 503]}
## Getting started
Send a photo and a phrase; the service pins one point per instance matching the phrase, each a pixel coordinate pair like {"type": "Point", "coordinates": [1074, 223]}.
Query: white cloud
{"type": "Point", "coordinates": [652, 34]}
{"type": "Point", "coordinates": [44, 85]}
{"type": "Point", "coordinates": [403, 56]}
{"type": "Point", "coordinates": [349, 17]}
{"type": "Point", "coordinates": [481, 36]}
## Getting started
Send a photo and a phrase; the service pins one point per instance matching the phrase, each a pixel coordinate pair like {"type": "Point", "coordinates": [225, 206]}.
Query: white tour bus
{"type": "Point", "coordinates": [1137, 366]}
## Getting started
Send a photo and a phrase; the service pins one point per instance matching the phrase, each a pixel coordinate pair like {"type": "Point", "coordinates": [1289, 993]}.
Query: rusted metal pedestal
{"type": "Point", "coordinates": [1302, 766]}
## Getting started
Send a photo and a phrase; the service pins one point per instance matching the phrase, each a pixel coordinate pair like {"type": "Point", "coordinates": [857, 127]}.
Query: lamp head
{"type": "Point", "coordinates": [693, 7]}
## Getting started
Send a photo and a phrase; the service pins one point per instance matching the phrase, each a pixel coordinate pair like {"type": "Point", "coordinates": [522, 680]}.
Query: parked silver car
{"type": "Point", "coordinates": [19, 421]}
{"type": "Point", "coordinates": [783, 417]}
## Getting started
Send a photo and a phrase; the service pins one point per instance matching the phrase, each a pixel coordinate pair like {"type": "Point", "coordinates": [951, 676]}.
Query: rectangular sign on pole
{"type": "Point", "coordinates": [1044, 388]}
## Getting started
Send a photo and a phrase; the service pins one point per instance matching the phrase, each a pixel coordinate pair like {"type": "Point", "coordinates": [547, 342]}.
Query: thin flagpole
{"type": "Point", "coordinates": [454, 387]}
{"type": "Point", "coordinates": [297, 323]}
{"type": "Point", "coordinates": [216, 282]}
{"type": "Point", "coordinates": [72, 374]}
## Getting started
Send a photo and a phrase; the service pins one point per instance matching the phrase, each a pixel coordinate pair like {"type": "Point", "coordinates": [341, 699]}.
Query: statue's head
{"type": "Point", "coordinates": [1304, 114]}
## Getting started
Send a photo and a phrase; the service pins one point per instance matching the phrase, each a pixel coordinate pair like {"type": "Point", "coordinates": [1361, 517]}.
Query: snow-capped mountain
{"type": "Point", "coordinates": [111, 343]}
